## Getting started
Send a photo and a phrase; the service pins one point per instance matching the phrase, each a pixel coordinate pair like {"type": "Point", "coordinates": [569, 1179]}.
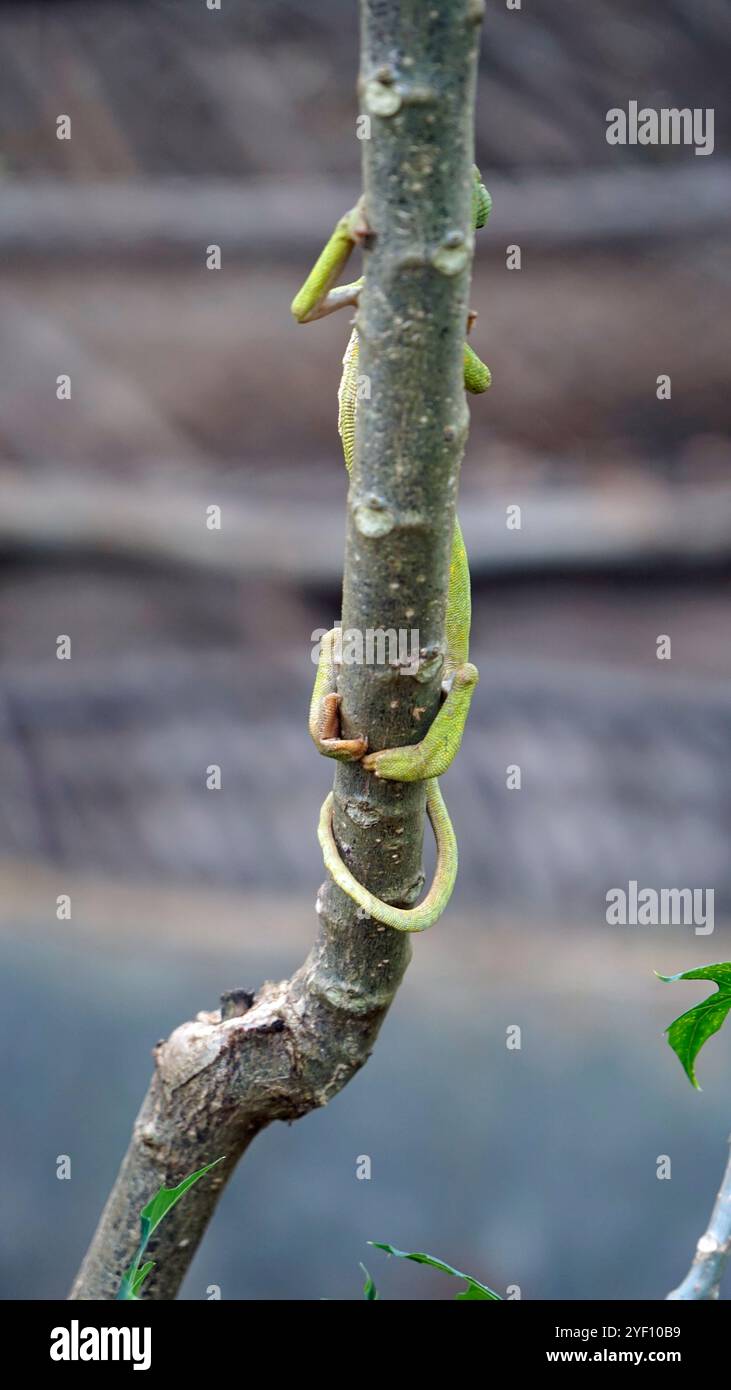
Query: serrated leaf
{"type": "Point", "coordinates": [687, 1034]}
{"type": "Point", "coordinates": [370, 1292]}
{"type": "Point", "coordinates": [474, 1291]}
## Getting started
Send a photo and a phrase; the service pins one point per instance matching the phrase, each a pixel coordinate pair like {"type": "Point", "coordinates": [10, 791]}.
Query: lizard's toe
{"type": "Point", "coordinates": [396, 764]}
{"type": "Point", "coordinates": [348, 750]}
{"type": "Point", "coordinates": [330, 718]}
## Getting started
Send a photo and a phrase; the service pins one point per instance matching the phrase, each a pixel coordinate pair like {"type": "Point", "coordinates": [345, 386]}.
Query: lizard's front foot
{"type": "Point", "coordinates": [327, 735]}
{"type": "Point", "coordinates": [431, 757]}
{"type": "Point", "coordinates": [324, 717]}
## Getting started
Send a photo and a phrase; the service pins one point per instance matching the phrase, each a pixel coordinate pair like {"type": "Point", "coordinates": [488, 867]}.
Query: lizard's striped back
{"type": "Point", "coordinates": [348, 398]}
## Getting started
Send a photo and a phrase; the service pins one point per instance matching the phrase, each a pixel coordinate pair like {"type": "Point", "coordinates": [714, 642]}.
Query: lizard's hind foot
{"type": "Point", "coordinates": [329, 742]}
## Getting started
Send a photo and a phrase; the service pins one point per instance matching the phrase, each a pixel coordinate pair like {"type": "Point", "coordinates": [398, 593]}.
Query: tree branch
{"type": "Point", "coordinates": [417, 86]}
{"type": "Point", "coordinates": [703, 1280]}
{"type": "Point", "coordinates": [218, 1083]}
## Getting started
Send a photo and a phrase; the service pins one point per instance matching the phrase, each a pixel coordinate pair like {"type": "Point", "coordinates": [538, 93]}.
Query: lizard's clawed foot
{"type": "Point", "coordinates": [329, 742]}
{"type": "Point", "coordinates": [358, 224]}
{"type": "Point", "coordinates": [416, 762]}
{"type": "Point", "coordinates": [396, 764]}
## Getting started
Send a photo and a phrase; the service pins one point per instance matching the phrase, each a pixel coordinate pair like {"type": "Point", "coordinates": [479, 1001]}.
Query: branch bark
{"type": "Point", "coordinates": [219, 1081]}
{"type": "Point", "coordinates": [703, 1280]}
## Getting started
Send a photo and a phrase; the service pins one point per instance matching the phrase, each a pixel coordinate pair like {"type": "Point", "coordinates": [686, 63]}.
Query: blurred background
{"type": "Point", "coordinates": [190, 387]}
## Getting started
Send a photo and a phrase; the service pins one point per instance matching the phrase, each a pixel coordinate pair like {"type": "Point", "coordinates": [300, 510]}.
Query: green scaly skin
{"type": "Point", "coordinates": [428, 759]}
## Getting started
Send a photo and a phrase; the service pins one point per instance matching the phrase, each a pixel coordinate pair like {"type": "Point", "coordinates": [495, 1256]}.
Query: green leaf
{"type": "Point", "coordinates": [474, 1291]}
{"type": "Point", "coordinates": [687, 1034]}
{"type": "Point", "coordinates": [150, 1217]}
{"type": "Point", "coordinates": [140, 1277]}
{"type": "Point", "coordinates": [370, 1291]}
{"type": "Point", "coordinates": [165, 1199]}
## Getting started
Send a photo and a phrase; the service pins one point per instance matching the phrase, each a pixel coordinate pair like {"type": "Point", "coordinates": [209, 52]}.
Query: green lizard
{"type": "Point", "coordinates": [428, 759]}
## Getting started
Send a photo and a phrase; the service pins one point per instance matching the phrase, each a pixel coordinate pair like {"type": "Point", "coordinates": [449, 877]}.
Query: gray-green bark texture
{"type": "Point", "coordinates": [702, 1283]}
{"type": "Point", "coordinates": [218, 1081]}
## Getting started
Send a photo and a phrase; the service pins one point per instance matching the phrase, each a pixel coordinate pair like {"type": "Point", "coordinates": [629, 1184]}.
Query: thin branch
{"type": "Point", "coordinates": [703, 1280]}
{"type": "Point", "coordinates": [218, 1082]}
